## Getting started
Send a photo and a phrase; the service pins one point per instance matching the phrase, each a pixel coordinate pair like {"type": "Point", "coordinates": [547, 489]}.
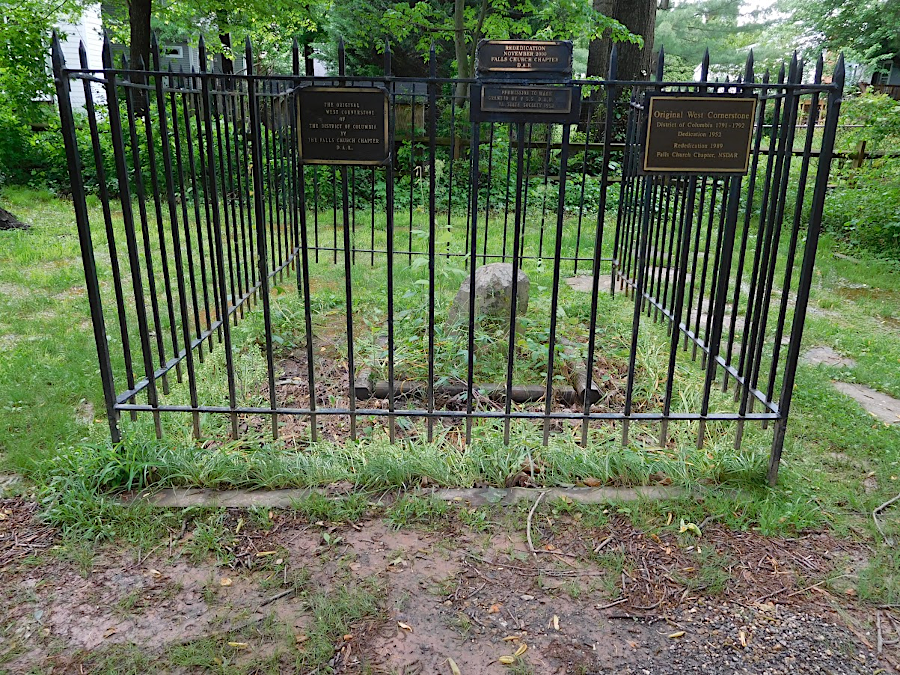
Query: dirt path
{"type": "Point", "coordinates": [295, 595]}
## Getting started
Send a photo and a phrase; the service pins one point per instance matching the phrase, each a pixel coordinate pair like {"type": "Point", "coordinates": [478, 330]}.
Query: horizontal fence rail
{"type": "Point", "coordinates": [228, 278]}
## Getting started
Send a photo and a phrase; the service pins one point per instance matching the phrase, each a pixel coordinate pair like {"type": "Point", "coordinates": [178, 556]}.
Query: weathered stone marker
{"type": "Point", "coordinates": [493, 293]}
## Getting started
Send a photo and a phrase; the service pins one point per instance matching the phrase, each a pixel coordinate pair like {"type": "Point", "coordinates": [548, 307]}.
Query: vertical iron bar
{"type": "Point", "coordinates": [554, 300]}
{"type": "Point", "coordinates": [67, 124]}
{"type": "Point", "coordinates": [118, 143]}
{"type": "Point", "coordinates": [212, 193]}
{"type": "Point", "coordinates": [806, 272]}
{"type": "Point", "coordinates": [256, 143]}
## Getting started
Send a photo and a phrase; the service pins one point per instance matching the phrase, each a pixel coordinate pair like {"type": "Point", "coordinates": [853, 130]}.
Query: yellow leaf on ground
{"type": "Point", "coordinates": [405, 626]}
{"type": "Point", "coordinates": [521, 650]}
{"type": "Point", "coordinates": [507, 660]}
{"type": "Point", "coordinates": [225, 581]}
{"type": "Point", "coordinates": [238, 645]}
{"type": "Point", "coordinates": [677, 634]}
{"type": "Point", "coordinates": [454, 669]}
{"type": "Point", "coordinates": [555, 622]}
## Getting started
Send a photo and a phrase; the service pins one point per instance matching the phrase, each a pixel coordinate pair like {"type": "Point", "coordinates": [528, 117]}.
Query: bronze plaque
{"type": "Point", "coordinates": [526, 99]}
{"type": "Point", "coordinates": [501, 102]}
{"type": "Point", "coordinates": [698, 134]}
{"type": "Point", "coordinates": [343, 125]}
{"type": "Point", "coordinates": [525, 57]}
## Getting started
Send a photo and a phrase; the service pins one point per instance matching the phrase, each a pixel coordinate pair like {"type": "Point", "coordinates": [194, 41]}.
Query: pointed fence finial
{"type": "Point", "coordinates": [342, 58]}
{"type": "Point", "coordinates": [820, 68]}
{"type": "Point", "coordinates": [704, 66]}
{"type": "Point", "coordinates": [660, 63]}
{"type": "Point", "coordinates": [614, 62]}
{"type": "Point", "coordinates": [748, 68]}
{"type": "Point", "coordinates": [387, 57]}
{"type": "Point", "coordinates": [839, 73]}
{"type": "Point", "coordinates": [106, 52]}
{"type": "Point", "coordinates": [248, 56]}
{"type": "Point", "coordinates": [59, 61]}
{"type": "Point", "coordinates": [295, 56]}
{"type": "Point", "coordinates": [154, 51]}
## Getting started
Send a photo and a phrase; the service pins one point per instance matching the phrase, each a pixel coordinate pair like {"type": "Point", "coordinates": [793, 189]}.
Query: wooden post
{"type": "Point", "coordinates": [859, 155]}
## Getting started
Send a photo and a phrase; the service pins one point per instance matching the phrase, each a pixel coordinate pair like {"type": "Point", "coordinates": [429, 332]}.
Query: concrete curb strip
{"type": "Point", "coordinates": [188, 497]}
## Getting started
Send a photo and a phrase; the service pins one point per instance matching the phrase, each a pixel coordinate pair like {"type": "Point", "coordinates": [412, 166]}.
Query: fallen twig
{"type": "Point", "coordinates": [887, 540]}
{"type": "Point", "coordinates": [613, 604]}
{"type": "Point", "coordinates": [809, 588]}
{"type": "Point", "coordinates": [602, 544]}
{"type": "Point", "coordinates": [277, 596]}
{"type": "Point", "coordinates": [528, 523]}
{"type": "Point", "coordinates": [879, 645]}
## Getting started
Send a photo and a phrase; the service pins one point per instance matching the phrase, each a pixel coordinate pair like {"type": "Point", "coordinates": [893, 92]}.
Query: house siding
{"type": "Point", "coordinates": [89, 30]}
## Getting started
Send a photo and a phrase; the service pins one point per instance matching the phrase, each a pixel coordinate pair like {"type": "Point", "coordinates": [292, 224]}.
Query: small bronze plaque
{"type": "Point", "coordinates": [343, 125]}
{"type": "Point", "coordinates": [512, 102]}
{"type": "Point", "coordinates": [525, 57]}
{"type": "Point", "coordinates": [526, 99]}
{"type": "Point", "coordinates": [698, 134]}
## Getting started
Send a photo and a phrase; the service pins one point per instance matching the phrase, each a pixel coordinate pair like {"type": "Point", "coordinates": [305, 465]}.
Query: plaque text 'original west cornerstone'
{"type": "Point", "coordinates": [698, 134]}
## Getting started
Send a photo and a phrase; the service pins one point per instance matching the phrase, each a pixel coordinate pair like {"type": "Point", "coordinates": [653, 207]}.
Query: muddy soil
{"type": "Point", "coordinates": [590, 599]}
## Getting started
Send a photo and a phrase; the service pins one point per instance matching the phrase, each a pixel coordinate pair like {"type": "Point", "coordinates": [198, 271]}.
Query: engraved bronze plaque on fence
{"type": "Point", "coordinates": [526, 99]}
{"type": "Point", "coordinates": [698, 134]}
{"type": "Point", "coordinates": [525, 103]}
{"type": "Point", "coordinates": [525, 57]}
{"type": "Point", "coordinates": [343, 125]}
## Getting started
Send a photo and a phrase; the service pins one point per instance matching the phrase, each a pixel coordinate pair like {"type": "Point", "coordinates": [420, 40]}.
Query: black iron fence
{"type": "Point", "coordinates": [651, 293]}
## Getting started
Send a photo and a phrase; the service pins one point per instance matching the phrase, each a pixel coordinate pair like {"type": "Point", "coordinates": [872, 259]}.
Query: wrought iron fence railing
{"type": "Point", "coordinates": [195, 206]}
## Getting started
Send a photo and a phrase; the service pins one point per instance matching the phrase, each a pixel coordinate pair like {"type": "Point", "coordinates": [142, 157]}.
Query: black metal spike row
{"type": "Point", "coordinates": [225, 205]}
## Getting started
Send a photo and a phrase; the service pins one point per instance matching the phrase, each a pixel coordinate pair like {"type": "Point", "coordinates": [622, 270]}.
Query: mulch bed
{"type": "Point", "coordinates": [21, 533]}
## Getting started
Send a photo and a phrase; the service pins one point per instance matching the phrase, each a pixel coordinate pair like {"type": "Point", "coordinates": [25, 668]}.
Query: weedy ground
{"type": "Point", "coordinates": [97, 587]}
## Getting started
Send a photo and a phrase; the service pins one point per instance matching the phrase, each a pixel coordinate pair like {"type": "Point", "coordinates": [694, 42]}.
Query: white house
{"type": "Point", "coordinates": [88, 28]}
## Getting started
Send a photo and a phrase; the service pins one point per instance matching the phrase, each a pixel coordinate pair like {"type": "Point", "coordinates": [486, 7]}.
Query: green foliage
{"type": "Point", "coordinates": [725, 27]}
{"type": "Point", "coordinates": [25, 88]}
{"type": "Point", "coordinates": [863, 207]}
{"type": "Point", "coordinates": [416, 25]}
{"type": "Point", "coordinates": [870, 117]}
{"type": "Point", "coordinates": [865, 210]}
{"type": "Point", "coordinates": [866, 29]}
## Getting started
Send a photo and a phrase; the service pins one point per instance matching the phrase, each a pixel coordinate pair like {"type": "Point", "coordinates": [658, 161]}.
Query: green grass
{"type": "Point", "coordinates": [52, 427]}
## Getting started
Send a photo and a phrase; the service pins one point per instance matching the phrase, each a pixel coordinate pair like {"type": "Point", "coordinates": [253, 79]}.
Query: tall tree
{"type": "Point", "coordinates": [867, 29]}
{"type": "Point", "coordinates": [728, 28]}
{"type": "Point", "coordinates": [139, 15]}
{"type": "Point", "coordinates": [464, 23]}
{"type": "Point", "coordinates": [639, 18]}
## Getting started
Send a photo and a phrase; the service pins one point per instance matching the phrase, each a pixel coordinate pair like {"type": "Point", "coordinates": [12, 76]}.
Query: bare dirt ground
{"type": "Point", "coordinates": [459, 591]}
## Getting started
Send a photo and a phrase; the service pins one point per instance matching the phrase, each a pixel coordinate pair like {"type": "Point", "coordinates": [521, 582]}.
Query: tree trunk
{"type": "Point", "coordinates": [639, 17]}
{"type": "Point", "coordinates": [139, 22]}
{"type": "Point", "coordinates": [459, 45]}
{"type": "Point", "coordinates": [227, 63]}
{"type": "Point", "coordinates": [598, 50]}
